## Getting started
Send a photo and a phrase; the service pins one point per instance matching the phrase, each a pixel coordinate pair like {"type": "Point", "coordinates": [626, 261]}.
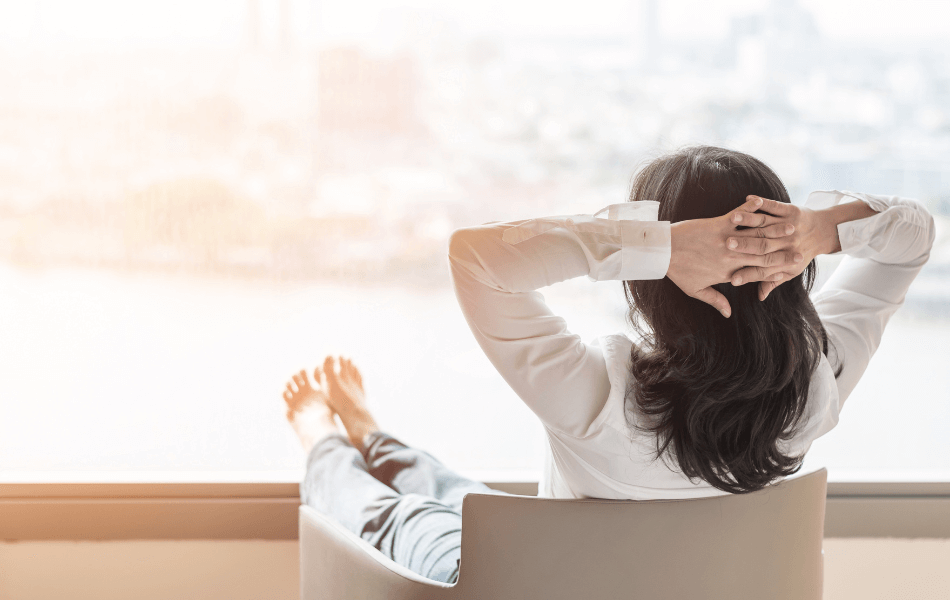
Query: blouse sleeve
{"type": "Point", "coordinates": [497, 268]}
{"type": "Point", "coordinates": [885, 252]}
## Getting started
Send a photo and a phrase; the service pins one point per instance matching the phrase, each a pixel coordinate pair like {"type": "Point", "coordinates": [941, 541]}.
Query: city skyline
{"type": "Point", "coordinates": [41, 24]}
{"type": "Point", "coordinates": [231, 211]}
{"type": "Point", "coordinates": [399, 148]}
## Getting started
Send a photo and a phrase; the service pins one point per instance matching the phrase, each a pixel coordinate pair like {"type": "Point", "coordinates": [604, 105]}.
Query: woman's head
{"type": "Point", "coordinates": [721, 393]}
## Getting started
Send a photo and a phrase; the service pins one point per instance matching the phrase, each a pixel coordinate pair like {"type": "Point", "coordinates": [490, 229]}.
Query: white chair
{"type": "Point", "coordinates": [763, 545]}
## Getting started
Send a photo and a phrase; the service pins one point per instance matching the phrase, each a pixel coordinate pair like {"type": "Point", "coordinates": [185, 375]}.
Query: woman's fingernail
{"type": "Point", "coordinates": [789, 229]}
{"type": "Point", "coordinates": [737, 280]}
{"type": "Point", "coordinates": [732, 243]}
{"type": "Point", "coordinates": [799, 258]}
{"type": "Point", "coordinates": [725, 313]}
{"type": "Point", "coordinates": [757, 201]}
{"type": "Point", "coordinates": [737, 218]}
{"type": "Point", "coordinates": [776, 277]}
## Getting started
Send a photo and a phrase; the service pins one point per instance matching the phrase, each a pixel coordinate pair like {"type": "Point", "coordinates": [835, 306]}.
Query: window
{"type": "Point", "coordinates": [199, 198]}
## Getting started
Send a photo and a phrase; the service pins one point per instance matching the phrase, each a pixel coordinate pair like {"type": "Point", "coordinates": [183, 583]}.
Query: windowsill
{"type": "Point", "coordinates": [250, 505]}
{"type": "Point", "coordinates": [842, 478]}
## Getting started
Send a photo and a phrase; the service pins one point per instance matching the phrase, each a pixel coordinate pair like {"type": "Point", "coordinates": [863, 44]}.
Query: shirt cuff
{"type": "Point", "coordinates": [860, 238]}
{"type": "Point", "coordinates": [823, 199]}
{"type": "Point", "coordinates": [627, 244]}
{"type": "Point", "coordinates": [645, 250]}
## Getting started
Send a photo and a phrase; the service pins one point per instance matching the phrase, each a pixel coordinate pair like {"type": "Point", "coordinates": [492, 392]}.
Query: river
{"type": "Point", "coordinates": [172, 376]}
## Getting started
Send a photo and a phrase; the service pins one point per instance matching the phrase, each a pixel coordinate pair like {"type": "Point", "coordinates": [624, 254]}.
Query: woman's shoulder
{"type": "Point", "coordinates": [821, 412]}
{"type": "Point", "coordinates": [614, 341]}
{"type": "Point", "coordinates": [616, 352]}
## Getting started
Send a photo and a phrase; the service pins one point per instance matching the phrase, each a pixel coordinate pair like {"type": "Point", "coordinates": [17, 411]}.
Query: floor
{"type": "Point", "coordinates": [855, 569]}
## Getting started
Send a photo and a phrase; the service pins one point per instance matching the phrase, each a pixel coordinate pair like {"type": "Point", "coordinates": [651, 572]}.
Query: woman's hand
{"type": "Point", "coordinates": [700, 257]}
{"type": "Point", "coordinates": [815, 232]}
{"type": "Point", "coordinates": [807, 238]}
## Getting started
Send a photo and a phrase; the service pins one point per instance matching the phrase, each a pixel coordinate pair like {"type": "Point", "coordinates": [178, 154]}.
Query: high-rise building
{"type": "Point", "coordinates": [286, 31]}
{"type": "Point", "coordinates": [649, 33]}
{"type": "Point", "coordinates": [316, 22]}
{"type": "Point", "coordinates": [253, 24]}
{"type": "Point", "coordinates": [361, 94]}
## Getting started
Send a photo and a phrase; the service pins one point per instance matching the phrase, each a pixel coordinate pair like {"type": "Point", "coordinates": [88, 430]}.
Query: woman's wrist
{"type": "Point", "coordinates": [830, 218]}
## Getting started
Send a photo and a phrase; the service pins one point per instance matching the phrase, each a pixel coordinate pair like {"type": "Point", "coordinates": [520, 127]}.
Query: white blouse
{"type": "Point", "coordinates": [577, 389]}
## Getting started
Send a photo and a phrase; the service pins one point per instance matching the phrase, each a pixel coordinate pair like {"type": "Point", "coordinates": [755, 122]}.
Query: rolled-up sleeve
{"type": "Point", "coordinates": [496, 269]}
{"type": "Point", "coordinates": [885, 252]}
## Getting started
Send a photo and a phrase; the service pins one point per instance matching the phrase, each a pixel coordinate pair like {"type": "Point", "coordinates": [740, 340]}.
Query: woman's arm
{"type": "Point", "coordinates": [497, 268]}
{"type": "Point", "coordinates": [887, 240]}
{"type": "Point", "coordinates": [885, 252]}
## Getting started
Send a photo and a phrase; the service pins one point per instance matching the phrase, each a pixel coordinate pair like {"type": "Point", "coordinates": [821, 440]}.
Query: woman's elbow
{"type": "Point", "coordinates": [929, 227]}
{"type": "Point", "coordinates": [459, 242]}
{"type": "Point", "coordinates": [931, 230]}
{"type": "Point", "coordinates": [464, 243]}
{"type": "Point", "coordinates": [926, 227]}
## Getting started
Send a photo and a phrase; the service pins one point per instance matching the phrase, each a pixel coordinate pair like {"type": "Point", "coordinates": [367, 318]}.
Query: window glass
{"type": "Point", "coordinates": [199, 198]}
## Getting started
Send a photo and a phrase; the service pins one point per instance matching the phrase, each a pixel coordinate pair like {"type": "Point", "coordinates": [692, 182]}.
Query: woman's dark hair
{"type": "Point", "coordinates": [719, 394]}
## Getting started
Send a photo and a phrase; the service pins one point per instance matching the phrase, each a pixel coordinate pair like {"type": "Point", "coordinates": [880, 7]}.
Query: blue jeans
{"type": "Point", "coordinates": [401, 500]}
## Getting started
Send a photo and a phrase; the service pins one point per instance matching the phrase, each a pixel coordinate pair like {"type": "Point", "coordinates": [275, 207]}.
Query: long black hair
{"type": "Point", "coordinates": [719, 394]}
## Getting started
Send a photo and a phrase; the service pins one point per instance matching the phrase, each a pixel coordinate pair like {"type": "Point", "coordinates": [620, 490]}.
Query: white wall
{"type": "Point", "coordinates": [858, 569]}
{"type": "Point", "coordinates": [146, 570]}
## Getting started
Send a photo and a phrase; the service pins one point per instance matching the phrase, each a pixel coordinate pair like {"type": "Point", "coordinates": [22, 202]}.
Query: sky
{"type": "Point", "coordinates": [120, 23]}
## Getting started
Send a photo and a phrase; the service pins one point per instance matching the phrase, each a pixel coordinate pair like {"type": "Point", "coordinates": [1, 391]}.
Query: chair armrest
{"type": "Point", "coordinates": [335, 564]}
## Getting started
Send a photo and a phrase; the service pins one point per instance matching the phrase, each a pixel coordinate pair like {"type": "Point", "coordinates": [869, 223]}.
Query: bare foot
{"type": "Point", "coordinates": [307, 409]}
{"type": "Point", "coordinates": [347, 399]}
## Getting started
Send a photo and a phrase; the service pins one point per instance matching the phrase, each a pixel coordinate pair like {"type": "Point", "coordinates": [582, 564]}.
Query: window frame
{"type": "Point", "coordinates": [267, 510]}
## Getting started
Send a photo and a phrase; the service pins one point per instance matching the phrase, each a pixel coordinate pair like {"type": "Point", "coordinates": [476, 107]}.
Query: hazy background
{"type": "Point", "coordinates": [199, 198]}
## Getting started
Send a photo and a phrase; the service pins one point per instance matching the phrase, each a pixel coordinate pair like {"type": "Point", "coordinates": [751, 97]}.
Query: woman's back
{"type": "Point", "coordinates": [586, 396]}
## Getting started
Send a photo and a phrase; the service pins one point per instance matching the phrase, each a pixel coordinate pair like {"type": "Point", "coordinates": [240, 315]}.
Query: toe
{"type": "Point", "coordinates": [303, 377]}
{"type": "Point", "coordinates": [329, 368]}
{"type": "Point", "coordinates": [300, 381]}
{"type": "Point", "coordinates": [352, 372]}
{"type": "Point", "coordinates": [290, 388]}
{"type": "Point", "coordinates": [318, 376]}
{"type": "Point", "coordinates": [288, 397]}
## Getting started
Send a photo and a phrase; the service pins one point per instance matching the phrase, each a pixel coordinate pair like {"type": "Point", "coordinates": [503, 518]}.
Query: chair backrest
{"type": "Point", "coordinates": [766, 544]}
{"type": "Point", "coordinates": [761, 545]}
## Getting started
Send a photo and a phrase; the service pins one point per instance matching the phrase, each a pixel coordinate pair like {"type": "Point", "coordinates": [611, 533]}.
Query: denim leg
{"type": "Point", "coordinates": [413, 471]}
{"type": "Point", "coordinates": [337, 483]}
{"type": "Point", "coordinates": [417, 532]}
{"type": "Point", "coordinates": [422, 534]}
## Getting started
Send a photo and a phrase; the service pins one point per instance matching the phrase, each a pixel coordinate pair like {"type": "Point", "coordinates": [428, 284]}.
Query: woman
{"type": "Point", "coordinates": [736, 373]}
